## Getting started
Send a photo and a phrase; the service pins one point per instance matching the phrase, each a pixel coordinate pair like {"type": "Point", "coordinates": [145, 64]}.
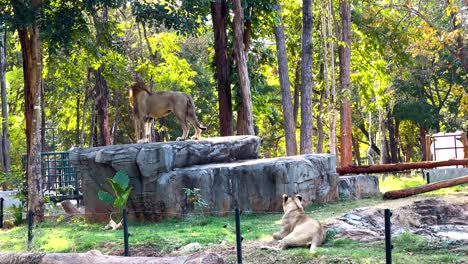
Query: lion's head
{"type": "Point", "coordinates": [292, 203]}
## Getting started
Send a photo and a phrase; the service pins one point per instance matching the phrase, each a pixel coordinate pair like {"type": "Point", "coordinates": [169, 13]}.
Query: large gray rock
{"type": "Point", "coordinates": [252, 185]}
{"type": "Point", "coordinates": [224, 169]}
{"type": "Point", "coordinates": [358, 186]}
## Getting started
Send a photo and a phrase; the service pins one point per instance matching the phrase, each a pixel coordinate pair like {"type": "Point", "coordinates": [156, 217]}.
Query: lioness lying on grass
{"type": "Point", "coordinates": [298, 229]}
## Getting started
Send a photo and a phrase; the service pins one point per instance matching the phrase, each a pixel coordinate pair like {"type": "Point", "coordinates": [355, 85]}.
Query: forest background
{"type": "Point", "coordinates": [331, 76]}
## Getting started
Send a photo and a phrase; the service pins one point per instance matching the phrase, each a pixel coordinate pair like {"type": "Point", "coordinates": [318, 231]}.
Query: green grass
{"type": "Point", "coordinates": [172, 234]}
{"type": "Point", "coordinates": [390, 183]}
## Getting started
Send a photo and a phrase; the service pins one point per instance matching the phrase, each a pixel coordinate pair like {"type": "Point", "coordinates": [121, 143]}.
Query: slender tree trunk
{"type": "Point", "coordinates": [88, 95]}
{"type": "Point", "coordinates": [32, 70]}
{"type": "Point", "coordinates": [306, 73]}
{"type": "Point", "coordinates": [286, 100]}
{"type": "Point", "coordinates": [297, 90]}
{"type": "Point", "coordinates": [102, 91]}
{"type": "Point", "coordinates": [383, 138]}
{"type": "Point", "coordinates": [370, 151]}
{"type": "Point", "coordinates": [78, 119]}
{"type": "Point", "coordinates": [320, 132]}
{"type": "Point", "coordinates": [92, 129]}
{"type": "Point", "coordinates": [219, 16]}
{"type": "Point", "coordinates": [422, 141]}
{"type": "Point", "coordinates": [323, 28]}
{"type": "Point", "coordinates": [345, 81]}
{"type": "Point", "coordinates": [5, 157]}
{"type": "Point", "coordinates": [356, 152]}
{"type": "Point", "coordinates": [245, 117]}
{"type": "Point", "coordinates": [392, 139]}
{"type": "Point", "coordinates": [331, 102]}
{"type": "Point", "coordinates": [115, 123]}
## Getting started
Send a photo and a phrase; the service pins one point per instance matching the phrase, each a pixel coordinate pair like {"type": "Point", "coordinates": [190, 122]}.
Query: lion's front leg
{"type": "Point", "coordinates": [285, 230]}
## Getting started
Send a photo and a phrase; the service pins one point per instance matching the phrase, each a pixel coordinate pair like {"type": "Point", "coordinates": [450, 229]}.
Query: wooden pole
{"type": "Point", "coordinates": [425, 188]}
{"type": "Point", "coordinates": [400, 166]}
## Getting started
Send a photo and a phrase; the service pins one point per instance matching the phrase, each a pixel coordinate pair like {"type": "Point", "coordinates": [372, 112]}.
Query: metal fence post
{"type": "Point", "coordinates": [238, 237]}
{"type": "Point", "coordinates": [388, 237]}
{"type": "Point", "coordinates": [30, 228]}
{"type": "Point", "coordinates": [1, 212]}
{"type": "Point", "coordinates": [125, 230]}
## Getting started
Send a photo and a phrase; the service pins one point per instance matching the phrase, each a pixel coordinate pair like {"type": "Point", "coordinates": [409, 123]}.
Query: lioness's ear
{"type": "Point", "coordinates": [299, 197]}
{"type": "Point", "coordinates": [285, 198]}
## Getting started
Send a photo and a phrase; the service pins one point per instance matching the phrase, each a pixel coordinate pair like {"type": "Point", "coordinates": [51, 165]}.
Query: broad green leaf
{"type": "Point", "coordinates": [122, 199]}
{"type": "Point", "coordinates": [106, 197]}
{"type": "Point", "coordinates": [121, 178]}
{"type": "Point", "coordinates": [117, 188]}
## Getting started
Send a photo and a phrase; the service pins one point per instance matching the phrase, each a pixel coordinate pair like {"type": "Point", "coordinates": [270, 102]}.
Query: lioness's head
{"type": "Point", "coordinates": [291, 203]}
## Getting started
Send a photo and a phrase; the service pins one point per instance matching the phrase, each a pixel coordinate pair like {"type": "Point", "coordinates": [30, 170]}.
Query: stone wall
{"type": "Point", "coordinates": [358, 186]}
{"type": "Point", "coordinates": [226, 170]}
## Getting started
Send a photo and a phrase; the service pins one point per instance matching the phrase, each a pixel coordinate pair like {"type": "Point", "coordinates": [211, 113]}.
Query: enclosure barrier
{"type": "Point", "coordinates": [238, 237]}
{"type": "Point", "coordinates": [388, 237]}
{"type": "Point", "coordinates": [1, 212]}
{"type": "Point", "coordinates": [30, 228]}
{"type": "Point", "coordinates": [125, 231]}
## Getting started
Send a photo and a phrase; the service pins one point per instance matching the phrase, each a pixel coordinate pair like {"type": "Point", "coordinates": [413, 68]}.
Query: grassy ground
{"type": "Point", "coordinates": [218, 234]}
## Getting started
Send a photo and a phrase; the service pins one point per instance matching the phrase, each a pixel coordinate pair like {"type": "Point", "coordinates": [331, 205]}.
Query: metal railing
{"type": "Point", "coordinates": [60, 182]}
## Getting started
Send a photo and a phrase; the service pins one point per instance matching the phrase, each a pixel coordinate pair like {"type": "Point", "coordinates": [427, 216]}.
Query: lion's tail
{"type": "Point", "coordinates": [191, 112]}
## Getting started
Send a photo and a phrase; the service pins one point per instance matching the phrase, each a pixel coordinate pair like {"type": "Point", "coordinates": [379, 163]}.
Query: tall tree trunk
{"type": "Point", "coordinates": [32, 71]}
{"type": "Point", "coordinates": [5, 143]}
{"type": "Point", "coordinates": [398, 138]}
{"type": "Point", "coordinates": [286, 100]}
{"type": "Point", "coordinates": [392, 139]}
{"type": "Point", "coordinates": [219, 16]}
{"type": "Point", "coordinates": [88, 95]}
{"type": "Point", "coordinates": [383, 138]}
{"type": "Point", "coordinates": [306, 73]}
{"type": "Point", "coordinates": [78, 120]}
{"type": "Point", "coordinates": [320, 132]}
{"type": "Point", "coordinates": [102, 93]}
{"type": "Point", "coordinates": [323, 30]}
{"type": "Point", "coordinates": [345, 81]}
{"type": "Point", "coordinates": [422, 141]}
{"type": "Point", "coordinates": [297, 90]}
{"type": "Point", "coordinates": [356, 152]}
{"type": "Point", "coordinates": [245, 117]}
{"type": "Point", "coordinates": [331, 102]}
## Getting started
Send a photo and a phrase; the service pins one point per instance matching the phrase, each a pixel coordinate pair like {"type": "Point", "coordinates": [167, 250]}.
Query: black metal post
{"type": "Point", "coordinates": [30, 228]}
{"type": "Point", "coordinates": [125, 229]}
{"type": "Point", "coordinates": [1, 212]}
{"type": "Point", "coordinates": [388, 237]}
{"type": "Point", "coordinates": [238, 237]}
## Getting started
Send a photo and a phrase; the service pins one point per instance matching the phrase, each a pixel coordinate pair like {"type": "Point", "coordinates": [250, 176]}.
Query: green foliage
{"type": "Point", "coordinates": [122, 190]}
{"type": "Point", "coordinates": [17, 213]}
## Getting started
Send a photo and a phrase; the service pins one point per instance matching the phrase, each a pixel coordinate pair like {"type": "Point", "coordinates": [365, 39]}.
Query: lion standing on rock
{"type": "Point", "coordinates": [298, 229]}
{"type": "Point", "coordinates": [147, 105]}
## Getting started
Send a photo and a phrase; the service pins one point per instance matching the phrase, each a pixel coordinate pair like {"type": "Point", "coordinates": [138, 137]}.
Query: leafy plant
{"type": "Point", "coordinates": [17, 212]}
{"type": "Point", "coordinates": [194, 197]}
{"type": "Point", "coordinates": [121, 189]}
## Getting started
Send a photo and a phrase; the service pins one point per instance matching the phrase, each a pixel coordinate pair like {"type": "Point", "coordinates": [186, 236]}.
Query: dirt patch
{"type": "Point", "coordinates": [438, 218]}
{"type": "Point", "coordinates": [138, 251]}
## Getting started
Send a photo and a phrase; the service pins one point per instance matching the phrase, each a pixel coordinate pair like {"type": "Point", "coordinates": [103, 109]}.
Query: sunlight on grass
{"type": "Point", "coordinates": [390, 183]}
